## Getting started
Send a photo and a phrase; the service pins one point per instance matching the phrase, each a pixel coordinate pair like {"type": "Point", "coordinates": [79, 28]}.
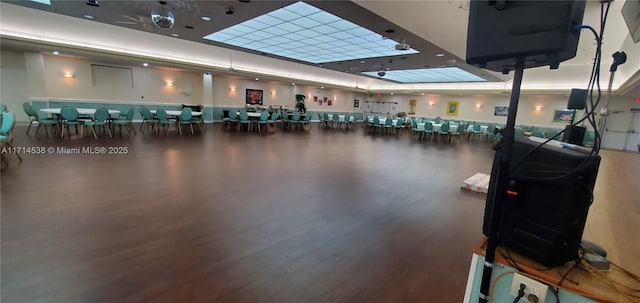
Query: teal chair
{"type": "Point", "coordinates": [388, 125]}
{"type": "Point", "coordinates": [147, 119]}
{"type": "Point", "coordinates": [185, 119]}
{"type": "Point", "coordinates": [69, 117]}
{"type": "Point", "coordinates": [307, 121]}
{"type": "Point", "coordinates": [244, 120]}
{"type": "Point", "coordinates": [295, 120]}
{"type": "Point", "coordinates": [34, 118]}
{"type": "Point", "coordinates": [8, 121]}
{"type": "Point", "coordinates": [326, 120]}
{"type": "Point", "coordinates": [321, 118]}
{"type": "Point", "coordinates": [428, 130]}
{"type": "Point", "coordinates": [126, 120]}
{"type": "Point", "coordinates": [399, 126]}
{"type": "Point", "coordinates": [347, 121]}
{"type": "Point", "coordinates": [99, 119]}
{"type": "Point", "coordinates": [200, 120]}
{"type": "Point", "coordinates": [163, 120]}
{"type": "Point", "coordinates": [444, 131]}
{"type": "Point", "coordinates": [336, 120]}
{"type": "Point", "coordinates": [264, 120]}
{"type": "Point", "coordinates": [275, 116]}
{"type": "Point", "coordinates": [233, 118]}
{"type": "Point", "coordinates": [285, 119]}
{"type": "Point", "coordinates": [375, 125]}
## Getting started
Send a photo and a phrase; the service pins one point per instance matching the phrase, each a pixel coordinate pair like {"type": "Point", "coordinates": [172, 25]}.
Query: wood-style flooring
{"type": "Point", "coordinates": [325, 216]}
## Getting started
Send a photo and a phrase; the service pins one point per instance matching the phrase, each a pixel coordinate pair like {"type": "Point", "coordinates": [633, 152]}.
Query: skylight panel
{"type": "Point", "coordinates": [295, 27]}
{"type": "Point", "coordinates": [47, 2]}
{"type": "Point", "coordinates": [429, 75]}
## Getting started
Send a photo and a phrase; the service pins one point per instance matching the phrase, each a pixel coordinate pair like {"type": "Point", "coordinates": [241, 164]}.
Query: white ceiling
{"type": "Point", "coordinates": [441, 23]}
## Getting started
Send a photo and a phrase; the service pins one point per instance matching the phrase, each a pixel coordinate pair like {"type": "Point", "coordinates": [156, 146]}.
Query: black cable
{"type": "Point", "coordinates": [520, 293]}
{"type": "Point", "coordinates": [594, 81]}
{"type": "Point", "coordinates": [554, 291]}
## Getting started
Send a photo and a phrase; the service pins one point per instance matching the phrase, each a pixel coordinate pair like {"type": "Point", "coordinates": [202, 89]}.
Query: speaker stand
{"type": "Point", "coordinates": [497, 192]}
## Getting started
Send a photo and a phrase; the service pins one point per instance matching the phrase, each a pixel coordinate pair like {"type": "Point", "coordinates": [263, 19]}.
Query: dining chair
{"type": "Point", "coordinates": [244, 119]}
{"type": "Point", "coordinates": [399, 126]}
{"type": "Point", "coordinates": [99, 119]}
{"type": "Point", "coordinates": [35, 118]}
{"type": "Point", "coordinates": [6, 129]}
{"type": "Point", "coordinates": [264, 120]}
{"type": "Point", "coordinates": [69, 117]}
{"type": "Point", "coordinates": [275, 116]}
{"type": "Point", "coordinates": [295, 120]}
{"type": "Point", "coordinates": [185, 119]}
{"type": "Point", "coordinates": [233, 118]}
{"type": "Point", "coordinates": [444, 131]}
{"type": "Point", "coordinates": [428, 131]}
{"type": "Point", "coordinates": [326, 120]}
{"type": "Point", "coordinates": [321, 119]}
{"type": "Point", "coordinates": [200, 120]}
{"type": "Point", "coordinates": [307, 120]}
{"type": "Point", "coordinates": [126, 120]}
{"type": "Point", "coordinates": [347, 121]}
{"type": "Point", "coordinates": [336, 120]}
{"type": "Point", "coordinates": [163, 120]}
{"type": "Point", "coordinates": [285, 119]}
{"type": "Point", "coordinates": [147, 119]}
{"type": "Point", "coordinates": [388, 125]}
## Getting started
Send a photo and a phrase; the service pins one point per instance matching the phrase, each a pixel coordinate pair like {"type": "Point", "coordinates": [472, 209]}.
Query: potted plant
{"type": "Point", "coordinates": [300, 105]}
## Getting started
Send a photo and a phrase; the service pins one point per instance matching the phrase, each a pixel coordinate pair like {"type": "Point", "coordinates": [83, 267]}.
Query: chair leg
{"type": "Point", "coordinates": [29, 128]}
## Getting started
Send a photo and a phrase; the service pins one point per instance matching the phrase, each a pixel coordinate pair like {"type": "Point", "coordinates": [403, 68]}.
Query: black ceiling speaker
{"type": "Point", "coordinates": [542, 32]}
{"type": "Point", "coordinates": [577, 99]}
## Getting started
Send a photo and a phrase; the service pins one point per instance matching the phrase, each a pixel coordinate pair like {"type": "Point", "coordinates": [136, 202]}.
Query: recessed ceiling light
{"type": "Point", "coordinates": [175, 35]}
{"type": "Point", "coordinates": [439, 55]}
{"type": "Point", "coordinates": [321, 87]}
{"type": "Point", "coordinates": [145, 64]}
{"type": "Point", "coordinates": [422, 94]}
{"type": "Point", "coordinates": [391, 94]}
{"type": "Point", "coordinates": [293, 83]}
{"type": "Point", "coordinates": [56, 53]}
{"type": "Point", "coordinates": [362, 62]}
{"type": "Point", "coordinates": [257, 79]}
{"type": "Point", "coordinates": [205, 18]}
{"type": "Point", "coordinates": [87, 16]}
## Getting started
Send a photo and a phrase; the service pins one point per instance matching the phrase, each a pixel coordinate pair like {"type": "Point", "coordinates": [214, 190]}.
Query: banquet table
{"type": "Point", "coordinates": [177, 113]}
{"type": "Point", "coordinates": [341, 118]}
{"type": "Point", "coordinates": [383, 121]}
{"type": "Point", "coordinates": [81, 111]}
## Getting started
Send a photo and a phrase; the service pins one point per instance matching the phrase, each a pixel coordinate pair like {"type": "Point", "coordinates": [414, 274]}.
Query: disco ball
{"type": "Point", "coordinates": [162, 18]}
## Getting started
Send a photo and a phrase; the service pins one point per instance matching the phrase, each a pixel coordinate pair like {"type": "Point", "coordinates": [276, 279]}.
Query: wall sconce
{"type": "Point", "coordinates": [478, 106]}
{"type": "Point", "coordinates": [68, 75]}
{"type": "Point", "coordinates": [232, 89]}
{"type": "Point", "coordinates": [273, 92]}
{"type": "Point", "coordinates": [538, 108]}
{"type": "Point", "coordinates": [168, 83]}
{"type": "Point", "coordinates": [431, 104]}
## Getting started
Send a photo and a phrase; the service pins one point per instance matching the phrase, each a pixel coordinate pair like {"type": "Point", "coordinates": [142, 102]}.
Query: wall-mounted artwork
{"type": "Point", "coordinates": [329, 102]}
{"type": "Point", "coordinates": [563, 115]}
{"type": "Point", "coordinates": [356, 103]}
{"type": "Point", "coordinates": [315, 98]}
{"type": "Point", "coordinates": [412, 106]}
{"type": "Point", "coordinates": [501, 111]}
{"type": "Point", "coordinates": [254, 96]}
{"type": "Point", "coordinates": [452, 108]}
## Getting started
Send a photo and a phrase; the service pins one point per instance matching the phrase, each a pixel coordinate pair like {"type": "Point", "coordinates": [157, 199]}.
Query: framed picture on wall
{"type": "Point", "coordinates": [563, 115]}
{"type": "Point", "coordinates": [356, 103]}
{"type": "Point", "coordinates": [412, 106]}
{"type": "Point", "coordinates": [501, 111]}
{"type": "Point", "coordinates": [315, 98]}
{"type": "Point", "coordinates": [452, 108]}
{"type": "Point", "coordinates": [254, 96]}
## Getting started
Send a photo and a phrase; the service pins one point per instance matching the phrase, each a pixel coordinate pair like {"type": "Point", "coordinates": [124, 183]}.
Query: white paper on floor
{"type": "Point", "coordinates": [478, 183]}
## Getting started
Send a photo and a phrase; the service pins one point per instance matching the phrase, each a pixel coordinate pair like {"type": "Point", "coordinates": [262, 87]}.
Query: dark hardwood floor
{"type": "Point", "coordinates": [234, 217]}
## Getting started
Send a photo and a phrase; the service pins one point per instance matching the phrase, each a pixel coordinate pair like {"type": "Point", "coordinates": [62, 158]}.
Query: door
{"type": "Point", "coordinates": [622, 131]}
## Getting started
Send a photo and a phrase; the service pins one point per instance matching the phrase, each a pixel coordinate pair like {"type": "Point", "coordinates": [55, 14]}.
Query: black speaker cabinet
{"type": "Point", "coordinates": [574, 134]}
{"type": "Point", "coordinates": [543, 32]}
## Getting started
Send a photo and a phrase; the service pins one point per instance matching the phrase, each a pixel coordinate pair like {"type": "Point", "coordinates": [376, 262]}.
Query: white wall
{"type": "Point", "coordinates": [13, 83]}
{"type": "Point", "coordinates": [148, 83]}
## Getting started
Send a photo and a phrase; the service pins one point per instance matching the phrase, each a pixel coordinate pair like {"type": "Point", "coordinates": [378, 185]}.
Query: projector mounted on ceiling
{"type": "Point", "coordinates": [403, 46]}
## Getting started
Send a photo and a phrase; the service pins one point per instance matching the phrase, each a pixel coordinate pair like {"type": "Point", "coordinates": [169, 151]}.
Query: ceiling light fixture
{"type": "Point", "coordinates": [439, 55]}
{"type": "Point", "coordinates": [230, 10]}
{"type": "Point", "coordinates": [205, 18]}
{"type": "Point", "coordinates": [87, 16]}
{"type": "Point", "coordinates": [175, 35]}
{"type": "Point", "coordinates": [56, 53]}
{"type": "Point", "coordinates": [257, 79]}
{"type": "Point", "coordinates": [145, 64]}
{"type": "Point", "coordinates": [94, 3]}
